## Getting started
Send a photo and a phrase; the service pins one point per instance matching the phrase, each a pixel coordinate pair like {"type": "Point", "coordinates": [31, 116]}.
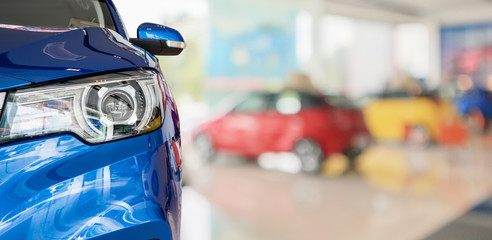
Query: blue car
{"type": "Point", "coordinates": [475, 101]}
{"type": "Point", "coordinates": [89, 133]}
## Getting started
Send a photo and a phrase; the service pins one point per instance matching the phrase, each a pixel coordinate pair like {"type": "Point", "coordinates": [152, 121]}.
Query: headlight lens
{"type": "Point", "coordinates": [98, 109]}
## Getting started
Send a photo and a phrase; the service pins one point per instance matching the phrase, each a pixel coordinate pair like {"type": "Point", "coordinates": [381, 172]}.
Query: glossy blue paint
{"type": "Point", "coordinates": [9, 82]}
{"type": "Point", "coordinates": [120, 27]}
{"type": "Point", "coordinates": [156, 31]}
{"type": "Point", "coordinates": [68, 54]}
{"type": "Point", "coordinates": [61, 188]}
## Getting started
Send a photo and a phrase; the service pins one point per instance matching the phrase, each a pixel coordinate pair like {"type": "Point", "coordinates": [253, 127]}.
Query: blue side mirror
{"type": "Point", "coordinates": [159, 40]}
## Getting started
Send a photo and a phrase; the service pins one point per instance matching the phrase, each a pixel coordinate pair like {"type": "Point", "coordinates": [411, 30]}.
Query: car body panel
{"type": "Point", "coordinates": [10, 82]}
{"type": "Point", "coordinates": [253, 133]}
{"type": "Point", "coordinates": [61, 187]}
{"type": "Point", "coordinates": [58, 187]}
{"type": "Point", "coordinates": [388, 119]}
{"type": "Point", "coordinates": [66, 54]}
{"type": "Point", "coordinates": [476, 99]}
{"type": "Point", "coordinates": [118, 23]}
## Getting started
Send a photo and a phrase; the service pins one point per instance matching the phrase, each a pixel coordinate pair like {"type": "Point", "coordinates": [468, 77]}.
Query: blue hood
{"type": "Point", "coordinates": [38, 55]}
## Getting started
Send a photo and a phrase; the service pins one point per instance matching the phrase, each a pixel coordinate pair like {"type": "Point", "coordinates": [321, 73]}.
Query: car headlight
{"type": "Point", "coordinates": [98, 109]}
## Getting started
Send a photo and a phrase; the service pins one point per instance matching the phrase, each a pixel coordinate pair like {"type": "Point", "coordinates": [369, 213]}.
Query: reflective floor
{"type": "Point", "coordinates": [394, 191]}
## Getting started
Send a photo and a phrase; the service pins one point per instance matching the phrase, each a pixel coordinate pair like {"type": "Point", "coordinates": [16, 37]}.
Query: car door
{"type": "Point", "coordinates": [241, 127]}
{"type": "Point", "coordinates": [328, 125]}
{"type": "Point", "coordinates": [281, 125]}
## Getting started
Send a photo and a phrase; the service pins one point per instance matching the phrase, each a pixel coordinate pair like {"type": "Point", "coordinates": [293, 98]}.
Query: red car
{"type": "Point", "coordinates": [288, 121]}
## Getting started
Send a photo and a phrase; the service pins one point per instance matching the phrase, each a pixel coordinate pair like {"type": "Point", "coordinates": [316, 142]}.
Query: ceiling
{"type": "Point", "coordinates": [442, 11]}
{"type": "Point", "coordinates": [424, 6]}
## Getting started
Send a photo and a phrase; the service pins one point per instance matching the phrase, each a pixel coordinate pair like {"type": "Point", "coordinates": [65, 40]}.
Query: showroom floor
{"type": "Point", "coordinates": [396, 192]}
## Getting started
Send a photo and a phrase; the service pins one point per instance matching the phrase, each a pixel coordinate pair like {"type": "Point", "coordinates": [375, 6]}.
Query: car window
{"type": "Point", "coordinates": [56, 13]}
{"type": "Point", "coordinates": [311, 100]}
{"type": "Point", "coordinates": [339, 101]}
{"type": "Point", "coordinates": [255, 102]}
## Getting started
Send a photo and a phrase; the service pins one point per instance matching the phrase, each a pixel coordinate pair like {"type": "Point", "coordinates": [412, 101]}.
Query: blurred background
{"type": "Point", "coordinates": [330, 119]}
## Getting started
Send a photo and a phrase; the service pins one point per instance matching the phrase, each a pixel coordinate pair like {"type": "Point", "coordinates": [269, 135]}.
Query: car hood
{"type": "Point", "coordinates": [38, 55]}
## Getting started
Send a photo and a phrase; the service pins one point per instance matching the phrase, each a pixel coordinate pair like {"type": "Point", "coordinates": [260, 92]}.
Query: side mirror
{"type": "Point", "coordinates": [159, 40]}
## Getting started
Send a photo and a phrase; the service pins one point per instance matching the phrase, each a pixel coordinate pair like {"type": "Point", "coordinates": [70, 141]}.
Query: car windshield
{"type": "Point", "coordinates": [56, 13]}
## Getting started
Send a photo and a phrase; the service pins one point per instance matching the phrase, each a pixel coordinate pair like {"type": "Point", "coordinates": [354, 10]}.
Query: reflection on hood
{"type": "Point", "coordinates": [39, 54]}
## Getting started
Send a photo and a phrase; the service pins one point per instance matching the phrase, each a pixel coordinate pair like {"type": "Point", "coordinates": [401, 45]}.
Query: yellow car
{"type": "Point", "coordinates": [401, 118]}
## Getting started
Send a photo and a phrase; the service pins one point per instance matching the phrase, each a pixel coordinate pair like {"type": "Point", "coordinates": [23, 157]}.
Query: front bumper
{"type": "Point", "coordinates": [61, 188]}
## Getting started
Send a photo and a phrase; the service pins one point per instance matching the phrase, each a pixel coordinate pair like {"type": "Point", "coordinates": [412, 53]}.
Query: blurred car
{"type": "Point", "coordinates": [401, 116]}
{"type": "Point", "coordinates": [89, 140]}
{"type": "Point", "coordinates": [475, 103]}
{"type": "Point", "coordinates": [287, 121]}
{"type": "Point", "coordinates": [339, 101]}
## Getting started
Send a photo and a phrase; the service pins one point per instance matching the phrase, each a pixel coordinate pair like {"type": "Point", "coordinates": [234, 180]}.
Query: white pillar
{"type": "Point", "coordinates": [434, 78]}
{"type": "Point", "coordinates": [308, 42]}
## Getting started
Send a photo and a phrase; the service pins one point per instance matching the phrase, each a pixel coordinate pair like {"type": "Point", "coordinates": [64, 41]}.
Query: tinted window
{"type": "Point", "coordinates": [310, 100]}
{"type": "Point", "coordinates": [338, 101]}
{"type": "Point", "coordinates": [56, 13]}
{"type": "Point", "coordinates": [255, 102]}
